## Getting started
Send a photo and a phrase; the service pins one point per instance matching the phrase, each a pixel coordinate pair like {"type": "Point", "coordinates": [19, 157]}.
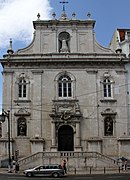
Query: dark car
{"type": "Point", "coordinates": [54, 170]}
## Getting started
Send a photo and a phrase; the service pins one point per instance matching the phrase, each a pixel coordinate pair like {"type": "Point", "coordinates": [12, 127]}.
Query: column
{"type": "Point", "coordinates": [53, 131]}
{"type": "Point", "coordinates": [77, 134]}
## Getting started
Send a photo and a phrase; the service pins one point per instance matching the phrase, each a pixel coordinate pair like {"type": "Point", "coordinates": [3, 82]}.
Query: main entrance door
{"type": "Point", "coordinates": [65, 138]}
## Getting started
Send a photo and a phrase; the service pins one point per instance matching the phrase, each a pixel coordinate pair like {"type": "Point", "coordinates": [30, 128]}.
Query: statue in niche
{"type": "Point", "coordinates": [108, 126]}
{"type": "Point", "coordinates": [22, 127]}
{"type": "Point", "coordinates": [64, 38]}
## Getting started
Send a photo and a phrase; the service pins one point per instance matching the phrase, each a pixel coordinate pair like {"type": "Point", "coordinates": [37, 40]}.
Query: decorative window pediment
{"type": "Point", "coordinates": [108, 111]}
{"type": "Point", "coordinates": [22, 112]}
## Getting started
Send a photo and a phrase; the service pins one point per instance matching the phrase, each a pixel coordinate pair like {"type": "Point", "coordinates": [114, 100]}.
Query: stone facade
{"type": "Point", "coordinates": [65, 92]}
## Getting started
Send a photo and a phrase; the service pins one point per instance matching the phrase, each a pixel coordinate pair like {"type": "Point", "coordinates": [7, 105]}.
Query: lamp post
{"type": "Point", "coordinates": [2, 119]}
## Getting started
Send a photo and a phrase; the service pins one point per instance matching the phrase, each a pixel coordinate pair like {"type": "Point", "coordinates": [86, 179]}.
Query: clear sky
{"type": "Point", "coordinates": [16, 18]}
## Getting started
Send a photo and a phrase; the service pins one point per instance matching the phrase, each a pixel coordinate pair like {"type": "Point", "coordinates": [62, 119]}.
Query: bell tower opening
{"type": "Point", "coordinates": [64, 42]}
{"type": "Point", "coordinates": [65, 138]}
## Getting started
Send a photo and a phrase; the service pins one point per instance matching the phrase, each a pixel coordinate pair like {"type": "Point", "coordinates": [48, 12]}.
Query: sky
{"type": "Point", "coordinates": [16, 18]}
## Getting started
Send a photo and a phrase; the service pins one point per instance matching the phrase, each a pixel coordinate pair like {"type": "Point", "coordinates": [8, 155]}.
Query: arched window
{"type": "Point", "coordinates": [108, 126]}
{"type": "Point", "coordinates": [21, 127]}
{"type": "Point", "coordinates": [22, 89]}
{"type": "Point", "coordinates": [107, 88]}
{"type": "Point", "coordinates": [64, 86]}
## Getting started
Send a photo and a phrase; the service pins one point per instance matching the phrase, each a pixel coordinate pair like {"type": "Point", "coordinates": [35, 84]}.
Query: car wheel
{"type": "Point", "coordinates": [55, 175]}
{"type": "Point", "coordinates": [29, 174]}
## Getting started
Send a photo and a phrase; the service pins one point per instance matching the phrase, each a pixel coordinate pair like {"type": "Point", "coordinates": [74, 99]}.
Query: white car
{"type": "Point", "coordinates": [54, 170]}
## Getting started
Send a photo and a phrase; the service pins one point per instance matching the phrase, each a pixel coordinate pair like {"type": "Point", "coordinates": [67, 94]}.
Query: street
{"type": "Point", "coordinates": [125, 176]}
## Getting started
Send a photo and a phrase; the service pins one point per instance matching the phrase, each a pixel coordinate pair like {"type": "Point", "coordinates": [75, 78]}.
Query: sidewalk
{"type": "Point", "coordinates": [106, 170]}
{"type": "Point", "coordinates": [5, 171]}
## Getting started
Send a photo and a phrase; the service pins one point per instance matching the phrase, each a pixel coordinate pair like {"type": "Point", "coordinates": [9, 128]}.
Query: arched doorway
{"type": "Point", "coordinates": [65, 138]}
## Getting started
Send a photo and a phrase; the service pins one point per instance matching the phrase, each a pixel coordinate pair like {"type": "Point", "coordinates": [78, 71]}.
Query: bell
{"type": "Point", "coordinates": [64, 47]}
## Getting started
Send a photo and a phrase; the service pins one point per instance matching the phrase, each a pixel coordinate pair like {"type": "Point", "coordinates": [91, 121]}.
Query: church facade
{"type": "Point", "coordinates": [65, 92]}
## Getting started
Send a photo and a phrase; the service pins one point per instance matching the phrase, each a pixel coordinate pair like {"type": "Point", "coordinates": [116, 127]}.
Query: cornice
{"type": "Point", "coordinates": [69, 60]}
{"type": "Point", "coordinates": [63, 55]}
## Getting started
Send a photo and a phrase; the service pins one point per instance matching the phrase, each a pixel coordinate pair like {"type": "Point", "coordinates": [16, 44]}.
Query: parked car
{"type": "Point", "coordinates": [54, 170]}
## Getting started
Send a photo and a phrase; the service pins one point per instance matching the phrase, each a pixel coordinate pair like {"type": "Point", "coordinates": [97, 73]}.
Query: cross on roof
{"type": "Point", "coordinates": [64, 2]}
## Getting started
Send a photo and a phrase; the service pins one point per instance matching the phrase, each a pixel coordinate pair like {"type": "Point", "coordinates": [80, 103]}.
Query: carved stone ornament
{"type": "Point", "coordinates": [66, 116]}
{"type": "Point", "coordinates": [22, 76]}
